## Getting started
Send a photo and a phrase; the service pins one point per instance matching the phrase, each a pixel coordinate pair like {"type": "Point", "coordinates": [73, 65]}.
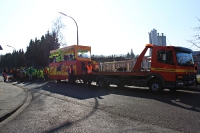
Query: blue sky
{"type": "Point", "coordinates": [108, 26]}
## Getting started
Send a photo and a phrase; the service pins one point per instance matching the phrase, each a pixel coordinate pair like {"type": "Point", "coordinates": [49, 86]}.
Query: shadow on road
{"type": "Point", "coordinates": [78, 91]}
{"type": "Point", "coordinates": [68, 124]}
{"type": "Point", "coordinates": [187, 99]}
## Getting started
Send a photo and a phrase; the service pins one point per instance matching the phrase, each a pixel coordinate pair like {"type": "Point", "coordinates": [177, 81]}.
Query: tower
{"type": "Point", "coordinates": [156, 39]}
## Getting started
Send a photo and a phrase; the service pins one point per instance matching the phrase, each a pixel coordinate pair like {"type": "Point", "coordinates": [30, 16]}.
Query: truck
{"type": "Point", "coordinates": [168, 67]}
{"type": "Point", "coordinates": [61, 59]}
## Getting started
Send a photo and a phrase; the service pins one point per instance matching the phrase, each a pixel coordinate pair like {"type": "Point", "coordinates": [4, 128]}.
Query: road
{"type": "Point", "coordinates": [61, 107]}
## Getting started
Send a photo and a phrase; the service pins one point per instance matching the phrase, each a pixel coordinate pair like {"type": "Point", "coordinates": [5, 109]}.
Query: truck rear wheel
{"type": "Point", "coordinates": [156, 86]}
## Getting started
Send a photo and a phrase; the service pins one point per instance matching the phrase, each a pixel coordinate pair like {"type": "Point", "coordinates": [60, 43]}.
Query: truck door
{"type": "Point", "coordinates": [165, 65]}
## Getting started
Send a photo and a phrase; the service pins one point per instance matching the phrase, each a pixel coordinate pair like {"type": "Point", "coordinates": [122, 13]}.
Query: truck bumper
{"type": "Point", "coordinates": [180, 83]}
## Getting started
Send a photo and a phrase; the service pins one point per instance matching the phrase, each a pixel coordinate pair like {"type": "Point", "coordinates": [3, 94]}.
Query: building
{"type": "Point", "coordinates": [156, 39]}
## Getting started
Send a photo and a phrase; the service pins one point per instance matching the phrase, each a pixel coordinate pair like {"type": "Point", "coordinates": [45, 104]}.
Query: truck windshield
{"type": "Point", "coordinates": [184, 59]}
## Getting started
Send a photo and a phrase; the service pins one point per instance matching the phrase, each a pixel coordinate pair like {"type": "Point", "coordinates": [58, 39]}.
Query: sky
{"type": "Point", "coordinates": [108, 26]}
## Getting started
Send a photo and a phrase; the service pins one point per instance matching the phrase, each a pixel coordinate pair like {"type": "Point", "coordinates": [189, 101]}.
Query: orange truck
{"type": "Point", "coordinates": [168, 67]}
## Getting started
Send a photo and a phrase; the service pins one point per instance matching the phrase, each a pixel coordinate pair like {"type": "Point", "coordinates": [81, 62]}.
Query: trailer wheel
{"type": "Point", "coordinates": [58, 80]}
{"type": "Point", "coordinates": [156, 86]}
{"type": "Point", "coordinates": [84, 81]}
{"type": "Point", "coordinates": [102, 83]}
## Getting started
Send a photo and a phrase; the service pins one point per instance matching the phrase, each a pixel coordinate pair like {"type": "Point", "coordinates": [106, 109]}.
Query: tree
{"type": "Point", "coordinates": [196, 38]}
{"type": "Point", "coordinates": [37, 52]}
{"type": "Point", "coordinates": [132, 54]}
{"type": "Point", "coordinates": [57, 28]}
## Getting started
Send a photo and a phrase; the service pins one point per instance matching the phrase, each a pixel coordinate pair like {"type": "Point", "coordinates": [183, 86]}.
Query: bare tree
{"type": "Point", "coordinates": [196, 38]}
{"type": "Point", "coordinates": [57, 28]}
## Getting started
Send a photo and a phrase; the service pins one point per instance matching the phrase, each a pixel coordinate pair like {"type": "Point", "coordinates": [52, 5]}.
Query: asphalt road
{"type": "Point", "coordinates": [61, 107]}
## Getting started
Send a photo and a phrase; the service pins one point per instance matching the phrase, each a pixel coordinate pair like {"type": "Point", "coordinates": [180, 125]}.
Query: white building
{"type": "Point", "coordinates": [156, 39]}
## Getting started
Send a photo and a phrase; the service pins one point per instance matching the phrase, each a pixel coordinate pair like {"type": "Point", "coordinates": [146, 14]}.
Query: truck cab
{"type": "Point", "coordinates": [171, 67]}
{"type": "Point", "coordinates": [167, 67]}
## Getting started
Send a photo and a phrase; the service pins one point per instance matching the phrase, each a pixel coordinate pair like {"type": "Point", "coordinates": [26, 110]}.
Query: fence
{"type": "Point", "coordinates": [126, 65]}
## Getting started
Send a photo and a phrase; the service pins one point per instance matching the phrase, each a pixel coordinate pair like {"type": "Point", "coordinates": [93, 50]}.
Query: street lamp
{"type": "Point", "coordinates": [75, 23]}
{"type": "Point", "coordinates": [11, 47]}
{"type": "Point", "coordinates": [15, 55]}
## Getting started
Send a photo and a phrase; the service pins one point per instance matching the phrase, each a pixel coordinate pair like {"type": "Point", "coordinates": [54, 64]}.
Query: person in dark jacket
{"type": "Point", "coordinates": [4, 73]}
{"type": "Point", "coordinates": [14, 73]}
{"type": "Point", "coordinates": [46, 73]}
{"type": "Point", "coordinates": [71, 74]}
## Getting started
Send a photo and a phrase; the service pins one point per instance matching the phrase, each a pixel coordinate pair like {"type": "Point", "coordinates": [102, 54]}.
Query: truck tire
{"type": "Point", "coordinates": [156, 86]}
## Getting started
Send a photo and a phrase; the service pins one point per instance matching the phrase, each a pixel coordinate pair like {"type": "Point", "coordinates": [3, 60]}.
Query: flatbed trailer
{"type": "Point", "coordinates": [168, 67]}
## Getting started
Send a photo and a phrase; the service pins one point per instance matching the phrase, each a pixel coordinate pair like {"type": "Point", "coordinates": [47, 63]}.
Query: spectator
{"type": "Point", "coordinates": [71, 74]}
{"type": "Point", "coordinates": [89, 74]}
{"type": "Point", "coordinates": [38, 73]}
{"type": "Point", "coordinates": [30, 71]}
{"type": "Point", "coordinates": [4, 73]}
{"type": "Point", "coordinates": [22, 74]}
{"type": "Point", "coordinates": [14, 73]}
{"type": "Point", "coordinates": [46, 74]}
{"type": "Point", "coordinates": [18, 74]}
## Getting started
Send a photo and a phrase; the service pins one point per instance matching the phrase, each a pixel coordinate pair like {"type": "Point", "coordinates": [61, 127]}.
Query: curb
{"type": "Point", "coordinates": [12, 111]}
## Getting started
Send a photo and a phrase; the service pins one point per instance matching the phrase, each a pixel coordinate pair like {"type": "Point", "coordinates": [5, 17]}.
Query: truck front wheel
{"type": "Point", "coordinates": [156, 86]}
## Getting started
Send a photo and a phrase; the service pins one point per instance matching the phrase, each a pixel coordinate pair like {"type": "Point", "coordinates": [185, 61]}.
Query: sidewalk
{"type": "Point", "coordinates": [11, 98]}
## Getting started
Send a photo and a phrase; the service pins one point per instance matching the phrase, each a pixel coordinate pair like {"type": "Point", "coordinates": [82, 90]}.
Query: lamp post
{"type": "Point", "coordinates": [15, 55]}
{"type": "Point", "coordinates": [11, 47]}
{"type": "Point", "coordinates": [74, 21]}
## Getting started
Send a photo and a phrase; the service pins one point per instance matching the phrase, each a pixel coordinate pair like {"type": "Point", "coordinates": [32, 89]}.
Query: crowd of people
{"type": "Point", "coordinates": [28, 74]}
{"type": "Point", "coordinates": [23, 74]}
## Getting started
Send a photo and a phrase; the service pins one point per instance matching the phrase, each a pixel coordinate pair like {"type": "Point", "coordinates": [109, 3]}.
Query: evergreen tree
{"type": "Point", "coordinates": [128, 55]}
{"type": "Point", "coordinates": [37, 52]}
{"type": "Point", "coordinates": [132, 54]}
